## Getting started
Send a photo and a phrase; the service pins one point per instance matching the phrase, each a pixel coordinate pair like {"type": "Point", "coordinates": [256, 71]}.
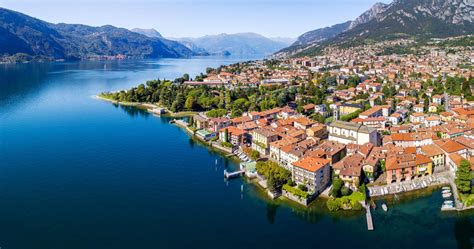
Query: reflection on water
{"type": "Point", "coordinates": [464, 232]}
{"type": "Point", "coordinates": [271, 212]}
{"type": "Point", "coordinates": [134, 112]}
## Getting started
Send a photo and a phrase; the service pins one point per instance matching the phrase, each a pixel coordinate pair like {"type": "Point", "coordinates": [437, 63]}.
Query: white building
{"type": "Point", "coordinates": [347, 133]}
{"type": "Point", "coordinates": [314, 173]}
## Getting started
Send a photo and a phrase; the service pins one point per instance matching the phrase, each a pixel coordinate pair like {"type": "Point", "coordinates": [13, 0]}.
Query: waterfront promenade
{"type": "Point", "coordinates": [437, 179]}
{"type": "Point", "coordinates": [441, 178]}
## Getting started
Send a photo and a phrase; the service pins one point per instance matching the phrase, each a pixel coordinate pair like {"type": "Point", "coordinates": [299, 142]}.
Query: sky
{"type": "Point", "coordinates": [193, 18]}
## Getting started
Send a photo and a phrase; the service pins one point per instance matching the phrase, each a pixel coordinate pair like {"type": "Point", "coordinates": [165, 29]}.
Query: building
{"type": "Point", "coordinates": [200, 122]}
{"type": "Point", "coordinates": [347, 133]}
{"type": "Point", "coordinates": [436, 155]}
{"type": "Point", "coordinates": [317, 130]}
{"type": "Point", "coordinates": [347, 108]}
{"type": "Point", "coordinates": [213, 83]}
{"type": "Point", "coordinates": [349, 170]}
{"type": "Point", "coordinates": [234, 135]}
{"type": "Point", "coordinates": [216, 124]}
{"type": "Point", "coordinates": [261, 139]}
{"type": "Point", "coordinates": [413, 139]}
{"type": "Point", "coordinates": [407, 166]}
{"type": "Point", "coordinates": [314, 173]}
{"type": "Point", "coordinates": [206, 135]}
{"type": "Point", "coordinates": [303, 123]}
{"type": "Point", "coordinates": [333, 151]}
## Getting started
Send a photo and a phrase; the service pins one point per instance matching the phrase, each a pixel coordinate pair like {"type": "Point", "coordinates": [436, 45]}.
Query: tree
{"type": "Point", "coordinates": [345, 191]}
{"type": "Point", "coordinates": [336, 187]}
{"type": "Point", "coordinates": [186, 77]}
{"type": "Point", "coordinates": [466, 88]}
{"type": "Point", "coordinates": [226, 135]}
{"type": "Point", "coordinates": [239, 107]}
{"type": "Point", "coordinates": [271, 183]}
{"type": "Point", "coordinates": [302, 187]}
{"type": "Point", "coordinates": [464, 177]}
{"type": "Point", "coordinates": [426, 104]}
{"type": "Point", "coordinates": [178, 103]}
{"type": "Point", "coordinates": [189, 104]}
{"type": "Point", "coordinates": [255, 155]}
{"type": "Point", "coordinates": [191, 121]}
{"type": "Point", "coordinates": [216, 113]}
{"type": "Point", "coordinates": [333, 204]}
{"type": "Point", "coordinates": [318, 118]}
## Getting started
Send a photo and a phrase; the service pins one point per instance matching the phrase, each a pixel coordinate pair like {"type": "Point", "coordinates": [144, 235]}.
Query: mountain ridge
{"type": "Point", "coordinates": [245, 43]}
{"type": "Point", "coordinates": [26, 36]}
{"type": "Point", "coordinates": [399, 19]}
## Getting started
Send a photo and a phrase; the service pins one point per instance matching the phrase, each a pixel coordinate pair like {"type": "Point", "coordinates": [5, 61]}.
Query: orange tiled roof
{"type": "Point", "coordinates": [311, 164]}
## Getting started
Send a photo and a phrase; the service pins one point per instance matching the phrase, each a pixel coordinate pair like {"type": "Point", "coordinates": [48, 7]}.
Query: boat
{"type": "Point", "coordinates": [445, 207]}
{"type": "Point", "coordinates": [448, 203]}
{"type": "Point", "coordinates": [384, 207]}
{"type": "Point", "coordinates": [446, 188]}
{"type": "Point", "coordinates": [447, 195]}
{"type": "Point", "coordinates": [446, 191]}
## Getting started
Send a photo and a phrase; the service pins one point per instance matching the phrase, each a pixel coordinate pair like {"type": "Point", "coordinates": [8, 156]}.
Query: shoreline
{"type": "Point", "coordinates": [147, 106]}
{"type": "Point", "coordinates": [225, 152]}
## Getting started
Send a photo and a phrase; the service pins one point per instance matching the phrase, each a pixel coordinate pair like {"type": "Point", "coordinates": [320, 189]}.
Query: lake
{"type": "Point", "coordinates": [77, 172]}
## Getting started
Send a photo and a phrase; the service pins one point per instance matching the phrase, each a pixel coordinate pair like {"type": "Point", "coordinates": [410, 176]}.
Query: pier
{"type": "Point", "coordinates": [368, 215]}
{"type": "Point", "coordinates": [230, 175]}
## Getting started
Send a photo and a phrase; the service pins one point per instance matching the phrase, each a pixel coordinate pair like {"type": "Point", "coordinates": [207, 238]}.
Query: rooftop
{"type": "Point", "coordinates": [311, 164]}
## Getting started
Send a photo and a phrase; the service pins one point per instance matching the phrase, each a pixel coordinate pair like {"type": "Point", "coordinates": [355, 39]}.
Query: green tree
{"type": "Point", "coordinates": [464, 177]}
{"type": "Point", "coordinates": [239, 107]}
{"type": "Point", "coordinates": [426, 104]}
{"type": "Point", "coordinates": [336, 187]}
{"type": "Point", "coordinates": [345, 191]}
{"type": "Point", "coordinates": [333, 204]}
{"type": "Point", "coordinates": [226, 135]}
{"type": "Point", "coordinates": [189, 104]}
{"type": "Point", "coordinates": [186, 77]}
{"type": "Point", "coordinates": [255, 155]}
{"type": "Point", "coordinates": [272, 183]}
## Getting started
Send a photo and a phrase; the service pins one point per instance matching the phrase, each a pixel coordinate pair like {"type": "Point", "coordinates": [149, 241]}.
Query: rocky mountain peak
{"type": "Point", "coordinates": [369, 15]}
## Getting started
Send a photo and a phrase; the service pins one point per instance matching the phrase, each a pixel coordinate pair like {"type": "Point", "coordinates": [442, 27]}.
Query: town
{"type": "Point", "coordinates": [349, 124]}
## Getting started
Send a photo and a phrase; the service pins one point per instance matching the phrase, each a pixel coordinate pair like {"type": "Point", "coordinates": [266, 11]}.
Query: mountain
{"type": "Point", "coordinates": [239, 44]}
{"type": "Point", "coordinates": [152, 33]}
{"type": "Point", "coordinates": [368, 15]}
{"type": "Point", "coordinates": [283, 40]}
{"type": "Point", "coordinates": [400, 19]}
{"type": "Point", "coordinates": [322, 34]}
{"type": "Point", "coordinates": [25, 36]}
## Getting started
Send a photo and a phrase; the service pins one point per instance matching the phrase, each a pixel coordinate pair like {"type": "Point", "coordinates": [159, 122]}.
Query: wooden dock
{"type": "Point", "coordinates": [230, 175]}
{"type": "Point", "coordinates": [370, 224]}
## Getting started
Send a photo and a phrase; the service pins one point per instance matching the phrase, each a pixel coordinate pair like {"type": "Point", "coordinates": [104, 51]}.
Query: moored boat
{"type": "Point", "coordinates": [447, 195]}
{"type": "Point", "coordinates": [384, 207]}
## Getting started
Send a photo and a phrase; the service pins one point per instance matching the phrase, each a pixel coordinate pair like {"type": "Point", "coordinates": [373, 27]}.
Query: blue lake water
{"type": "Point", "coordinates": [76, 172]}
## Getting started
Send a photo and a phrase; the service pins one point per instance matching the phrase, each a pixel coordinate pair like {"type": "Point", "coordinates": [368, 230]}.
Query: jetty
{"type": "Point", "coordinates": [368, 215]}
{"type": "Point", "coordinates": [370, 224]}
{"type": "Point", "coordinates": [230, 175]}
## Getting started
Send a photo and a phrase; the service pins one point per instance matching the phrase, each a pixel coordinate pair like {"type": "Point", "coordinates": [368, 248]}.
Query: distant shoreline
{"type": "Point", "coordinates": [147, 106]}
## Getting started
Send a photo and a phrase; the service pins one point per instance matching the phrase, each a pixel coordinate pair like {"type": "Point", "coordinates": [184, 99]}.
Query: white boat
{"type": "Point", "coordinates": [447, 195]}
{"type": "Point", "coordinates": [448, 203]}
{"type": "Point", "coordinates": [447, 188]}
{"type": "Point", "coordinates": [447, 207]}
{"type": "Point", "coordinates": [384, 207]}
{"type": "Point", "coordinates": [446, 191]}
